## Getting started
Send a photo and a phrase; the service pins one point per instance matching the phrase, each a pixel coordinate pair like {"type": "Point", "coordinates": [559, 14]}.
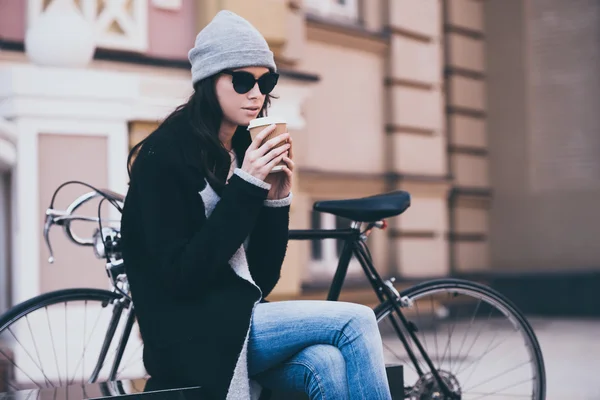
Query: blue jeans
{"type": "Point", "coordinates": [327, 349]}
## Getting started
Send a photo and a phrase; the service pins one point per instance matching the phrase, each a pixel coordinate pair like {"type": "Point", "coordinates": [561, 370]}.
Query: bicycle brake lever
{"type": "Point", "coordinates": [47, 225]}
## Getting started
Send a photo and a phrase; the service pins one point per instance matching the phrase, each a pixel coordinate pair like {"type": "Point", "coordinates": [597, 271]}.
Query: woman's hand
{"type": "Point", "coordinates": [258, 161]}
{"type": "Point", "coordinates": [281, 181]}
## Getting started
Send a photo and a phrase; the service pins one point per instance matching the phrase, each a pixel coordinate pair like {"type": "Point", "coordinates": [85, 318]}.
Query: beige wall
{"type": "Point", "coordinates": [466, 89]}
{"type": "Point", "coordinates": [468, 131]}
{"type": "Point", "coordinates": [345, 126]}
{"type": "Point", "coordinates": [422, 248]}
{"type": "Point", "coordinates": [171, 33]}
{"type": "Point", "coordinates": [419, 17]}
{"type": "Point", "coordinates": [467, 13]}
{"type": "Point", "coordinates": [379, 107]}
{"type": "Point", "coordinates": [373, 14]}
{"type": "Point", "coordinates": [63, 158]}
{"type": "Point", "coordinates": [417, 139]}
{"type": "Point", "coordinates": [544, 125]}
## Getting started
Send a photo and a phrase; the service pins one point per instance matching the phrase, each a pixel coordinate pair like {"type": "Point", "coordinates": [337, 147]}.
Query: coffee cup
{"type": "Point", "coordinates": [257, 125]}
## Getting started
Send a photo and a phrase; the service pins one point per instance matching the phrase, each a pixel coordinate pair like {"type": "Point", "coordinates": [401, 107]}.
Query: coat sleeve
{"type": "Point", "coordinates": [268, 245]}
{"type": "Point", "coordinates": [190, 255]}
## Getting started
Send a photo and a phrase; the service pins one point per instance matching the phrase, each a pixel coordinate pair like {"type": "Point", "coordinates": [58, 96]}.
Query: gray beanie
{"type": "Point", "coordinates": [227, 42]}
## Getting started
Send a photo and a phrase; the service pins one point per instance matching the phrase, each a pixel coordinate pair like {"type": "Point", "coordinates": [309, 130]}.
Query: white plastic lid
{"type": "Point", "coordinates": [265, 121]}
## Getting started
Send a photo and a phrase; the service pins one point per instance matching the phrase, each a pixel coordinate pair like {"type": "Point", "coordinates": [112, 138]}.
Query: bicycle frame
{"type": "Point", "coordinates": [354, 245]}
{"type": "Point", "coordinates": [105, 243]}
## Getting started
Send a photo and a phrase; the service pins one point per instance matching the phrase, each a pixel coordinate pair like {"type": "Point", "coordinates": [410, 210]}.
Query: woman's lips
{"type": "Point", "coordinates": [251, 110]}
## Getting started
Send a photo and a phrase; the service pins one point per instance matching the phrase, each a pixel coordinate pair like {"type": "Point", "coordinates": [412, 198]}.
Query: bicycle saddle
{"type": "Point", "coordinates": [367, 209]}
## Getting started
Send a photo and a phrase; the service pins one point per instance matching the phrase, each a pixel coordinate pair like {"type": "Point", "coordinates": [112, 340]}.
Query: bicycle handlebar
{"type": "Point", "coordinates": [64, 219]}
{"type": "Point", "coordinates": [104, 248]}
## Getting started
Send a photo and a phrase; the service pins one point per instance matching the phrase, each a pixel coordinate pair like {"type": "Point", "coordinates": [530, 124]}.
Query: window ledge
{"type": "Point", "coordinates": [346, 33]}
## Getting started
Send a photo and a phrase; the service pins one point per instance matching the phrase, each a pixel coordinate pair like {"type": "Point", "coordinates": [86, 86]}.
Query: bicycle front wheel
{"type": "Point", "coordinates": [480, 344]}
{"type": "Point", "coordinates": [65, 337]}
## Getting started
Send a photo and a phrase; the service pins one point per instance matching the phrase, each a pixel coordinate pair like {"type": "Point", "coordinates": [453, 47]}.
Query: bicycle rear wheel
{"type": "Point", "coordinates": [56, 340]}
{"type": "Point", "coordinates": [480, 344]}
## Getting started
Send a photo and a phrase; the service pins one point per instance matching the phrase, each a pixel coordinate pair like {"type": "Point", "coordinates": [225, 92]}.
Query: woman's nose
{"type": "Point", "coordinates": [254, 92]}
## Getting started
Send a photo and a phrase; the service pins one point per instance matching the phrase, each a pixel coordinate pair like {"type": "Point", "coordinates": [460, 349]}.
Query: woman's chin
{"type": "Point", "coordinates": [249, 115]}
{"type": "Point", "coordinates": [245, 121]}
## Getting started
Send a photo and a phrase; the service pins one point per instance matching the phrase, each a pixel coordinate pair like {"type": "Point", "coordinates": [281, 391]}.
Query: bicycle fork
{"type": "Point", "coordinates": [387, 292]}
{"type": "Point", "coordinates": [110, 333]}
{"type": "Point", "coordinates": [394, 297]}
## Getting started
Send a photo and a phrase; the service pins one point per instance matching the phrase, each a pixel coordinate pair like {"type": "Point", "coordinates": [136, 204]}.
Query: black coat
{"type": "Point", "coordinates": [193, 308]}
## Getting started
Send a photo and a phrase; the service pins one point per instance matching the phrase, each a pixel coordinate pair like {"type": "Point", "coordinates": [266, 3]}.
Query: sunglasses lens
{"type": "Point", "coordinates": [267, 82]}
{"type": "Point", "coordinates": [243, 82]}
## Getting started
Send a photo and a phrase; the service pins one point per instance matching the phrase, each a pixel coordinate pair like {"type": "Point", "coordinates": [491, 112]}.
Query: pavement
{"type": "Point", "coordinates": [570, 347]}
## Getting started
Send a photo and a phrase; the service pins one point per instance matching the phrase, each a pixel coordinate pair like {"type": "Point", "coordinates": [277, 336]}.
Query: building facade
{"type": "Point", "coordinates": [454, 101]}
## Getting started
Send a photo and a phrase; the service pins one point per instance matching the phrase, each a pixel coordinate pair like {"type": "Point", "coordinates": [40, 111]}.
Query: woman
{"type": "Point", "coordinates": [204, 232]}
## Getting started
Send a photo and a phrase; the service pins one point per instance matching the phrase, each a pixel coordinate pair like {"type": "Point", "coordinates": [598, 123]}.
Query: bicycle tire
{"type": "Point", "coordinates": [421, 289]}
{"type": "Point", "coordinates": [43, 300]}
{"type": "Point", "coordinates": [23, 311]}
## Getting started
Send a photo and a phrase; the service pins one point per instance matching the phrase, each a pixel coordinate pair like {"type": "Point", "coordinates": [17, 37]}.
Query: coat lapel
{"type": "Point", "coordinates": [240, 387]}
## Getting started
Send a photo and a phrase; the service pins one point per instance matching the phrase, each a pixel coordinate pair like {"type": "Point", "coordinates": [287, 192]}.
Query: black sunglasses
{"type": "Point", "coordinates": [244, 81]}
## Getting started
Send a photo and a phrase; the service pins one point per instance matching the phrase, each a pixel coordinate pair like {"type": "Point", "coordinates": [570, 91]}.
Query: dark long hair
{"type": "Point", "coordinates": [201, 115]}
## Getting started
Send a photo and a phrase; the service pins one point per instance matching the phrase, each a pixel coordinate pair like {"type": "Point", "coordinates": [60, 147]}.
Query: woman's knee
{"type": "Point", "coordinates": [362, 320]}
{"type": "Point", "coordinates": [325, 370]}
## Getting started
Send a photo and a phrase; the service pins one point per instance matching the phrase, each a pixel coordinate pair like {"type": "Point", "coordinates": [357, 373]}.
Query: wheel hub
{"type": "Point", "coordinates": [427, 387]}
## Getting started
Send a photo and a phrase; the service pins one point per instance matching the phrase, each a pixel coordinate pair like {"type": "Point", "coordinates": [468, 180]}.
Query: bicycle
{"type": "Point", "coordinates": [433, 372]}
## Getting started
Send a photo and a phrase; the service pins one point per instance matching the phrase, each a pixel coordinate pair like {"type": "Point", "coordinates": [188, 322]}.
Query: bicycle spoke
{"type": "Point", "coordinates": [129, 362]}
{"type": "Point", "coordinates": [53, 347]}
{"type": "Point", "coordinates": [465, 335]}
{"type": "Point", "coordinates": [41, 366]}
{"type": "Point", "coordinates": [6, 380]}
{"type": "Point", "coordinates": [29, 363]}
{"type": "Point", "coordinates": [422, 334]}
{"type": "Point", "coordinates": [20, 369]}
{"type": "Point", "coordinates": [86, 344]}
{"type": "Point", "coordinates": [499, 359]}
{"type": "Point", "coordinates": [437, 352]}
{"type": "Point", "coordinates": [398, 358]}
{"type": "Point", "coordinates": [29, 395]}
{"type": "Point", "coordinates": [414, 348]}
{"type": "Point", "coordinates": [449, 344]}
{"type": "Point", "coordinates": [487, 351]}
{"type": "Point", "coordinates": [486, 354]}
{"type": "Point", "coordinates": [483, 395]}
{"type": "Point", "coordinates": [498, 375]}
{"type": "Point", "coordinates": [66, 344]}
{"type": "Point", "coordinates": [28, 354]}
{"type": "Point", "coordinates": [83, 342]}
{"type": "Point", "coordinates": [476, 337]}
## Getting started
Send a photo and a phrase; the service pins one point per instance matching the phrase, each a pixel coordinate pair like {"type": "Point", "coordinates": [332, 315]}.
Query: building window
{"type": "Point", "coordinates": [325, 253]}
{"type": "Point", "coordinates": [119, 25]}
{"type": "Point", "coordinates": [345, 10]}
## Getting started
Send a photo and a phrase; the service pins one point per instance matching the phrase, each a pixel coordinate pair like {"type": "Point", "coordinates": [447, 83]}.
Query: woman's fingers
{"type": "Point", "coordinates": [261, 137]}
{"type": "Point", "coordinates": [291, 155]}
{"type": "Point", "coordinates": [262, 155]}
{"type": "Point", "coordinates": [290, 164]}
{"type": "Point", "coordinates": [276, 152]}
{"type": "Point", "coordinates": [288, 172]}
{"type": "Point", "coordinates": [272, 143]}
{"type": "Point", "coordinates": [269, 166]}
